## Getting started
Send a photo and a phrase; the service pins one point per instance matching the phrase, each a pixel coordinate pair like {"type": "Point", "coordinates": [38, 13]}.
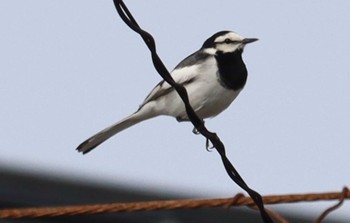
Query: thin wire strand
{"type": "Point", "coordinates": [344, 195]}
{"type": "Point", "coordinates": [238, 200]}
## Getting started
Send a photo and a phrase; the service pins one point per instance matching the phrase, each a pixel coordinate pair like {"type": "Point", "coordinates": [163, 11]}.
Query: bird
{"type": "Point", "coordinates": [213, 76]}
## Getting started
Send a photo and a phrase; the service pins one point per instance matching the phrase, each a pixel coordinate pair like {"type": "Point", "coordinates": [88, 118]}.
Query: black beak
{"type": "Point", "coordinates": [249, 40]}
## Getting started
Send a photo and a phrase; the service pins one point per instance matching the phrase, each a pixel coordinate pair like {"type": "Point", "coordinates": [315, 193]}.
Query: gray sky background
{"type": "Point", "coordinates": [71, 68]}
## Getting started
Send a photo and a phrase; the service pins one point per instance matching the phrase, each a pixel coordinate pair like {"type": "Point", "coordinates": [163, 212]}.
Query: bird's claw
{"type": "Point", "coordinates": [195, 131]}
{"type": "Point", "coordinates": [208, 147]}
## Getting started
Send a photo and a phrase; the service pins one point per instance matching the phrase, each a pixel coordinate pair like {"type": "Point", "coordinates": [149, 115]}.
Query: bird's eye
{"type": "Point", "coordinates": [227, 41]}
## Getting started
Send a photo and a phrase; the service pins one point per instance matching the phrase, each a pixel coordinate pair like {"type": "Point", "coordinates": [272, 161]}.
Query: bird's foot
{"type": "Point", "coordinates": [195, 131]}
{"type": "Point", "coordinates": [208, 146]}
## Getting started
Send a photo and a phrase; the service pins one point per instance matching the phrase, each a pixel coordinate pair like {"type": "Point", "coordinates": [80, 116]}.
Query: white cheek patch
{"type": "Point", "coordinates": [231, 47]}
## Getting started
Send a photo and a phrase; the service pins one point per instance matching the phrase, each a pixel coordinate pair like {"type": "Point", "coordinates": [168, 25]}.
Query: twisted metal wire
{"type": "Point", "coordinates": [238, 200]}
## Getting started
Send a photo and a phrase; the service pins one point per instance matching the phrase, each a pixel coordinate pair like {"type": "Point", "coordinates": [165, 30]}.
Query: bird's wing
{"type": "Point", "coordinates": [184, 73]}
{"type": "Point", "coordinates": [182, 76]}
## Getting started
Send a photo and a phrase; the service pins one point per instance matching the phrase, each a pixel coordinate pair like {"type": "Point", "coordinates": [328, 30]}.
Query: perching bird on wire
{"type": "Point", "coordinates": [213, 77]}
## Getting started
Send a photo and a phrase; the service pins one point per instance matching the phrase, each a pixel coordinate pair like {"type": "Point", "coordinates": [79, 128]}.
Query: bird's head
{"type": "Point", "coordinates": [226, 42]}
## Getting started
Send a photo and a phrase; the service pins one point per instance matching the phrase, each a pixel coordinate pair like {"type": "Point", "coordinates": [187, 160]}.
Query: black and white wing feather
{"type": "Point", "coordinates": [184, 73]}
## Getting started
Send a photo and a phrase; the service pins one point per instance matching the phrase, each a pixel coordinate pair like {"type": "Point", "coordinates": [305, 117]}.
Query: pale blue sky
{"type": "Point", "coordinates": [71, 68]}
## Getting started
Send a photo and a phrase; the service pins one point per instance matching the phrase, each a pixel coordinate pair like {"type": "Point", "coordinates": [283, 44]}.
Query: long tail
{"type": "Point", "coordinates": [108, 132]}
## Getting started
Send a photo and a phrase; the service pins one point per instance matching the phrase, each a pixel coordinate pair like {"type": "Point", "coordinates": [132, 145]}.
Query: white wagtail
{"type": "Point", "coordinates": [213, 77]}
